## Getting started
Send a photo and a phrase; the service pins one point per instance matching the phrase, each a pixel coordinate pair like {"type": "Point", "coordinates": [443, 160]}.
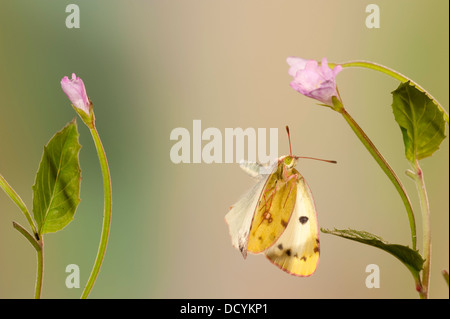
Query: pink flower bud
{"type": "Point", "coordinates": [312, 80]}
{"type": "Point", "coordinates": [76, 92]}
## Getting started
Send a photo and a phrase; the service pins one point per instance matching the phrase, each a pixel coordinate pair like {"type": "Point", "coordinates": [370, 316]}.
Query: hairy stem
{"type": "Point", "coordinates": [38, 244]}
{"type": "Point", "coordinates": [40, 270]}
{"type": "Point", "coordinates": [19, 202]}
{"type": "Point", "coordinates": [394, 74]}
{"type": "Point", "coordinates": [425, 208]}
{"type": "Point", "coordinates": [106, 214]}
{"type": "Point", "coordinates": [386, 169]}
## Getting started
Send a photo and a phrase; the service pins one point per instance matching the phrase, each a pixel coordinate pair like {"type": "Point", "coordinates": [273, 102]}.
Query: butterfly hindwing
{"type": "Point", "coordinates": [297, 249]}
{"type": "Point", "coordinates": [240, 217]}
{"type": "Point", "coordinates": [273, 212]}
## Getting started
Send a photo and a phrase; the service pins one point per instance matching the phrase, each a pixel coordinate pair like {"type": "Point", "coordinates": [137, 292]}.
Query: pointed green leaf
{"type": "Point", "coordinates": [421, 121]}
{"type": "Point", "coordinates": [410, 258]}
{"type": "Point", "coordinates": [57, 186]}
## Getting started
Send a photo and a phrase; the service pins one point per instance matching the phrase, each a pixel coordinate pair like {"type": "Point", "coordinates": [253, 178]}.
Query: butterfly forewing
{"type": "Point", "coordinates": [273, 212]}
{"type": "Point", "coordinates": [297, 250]}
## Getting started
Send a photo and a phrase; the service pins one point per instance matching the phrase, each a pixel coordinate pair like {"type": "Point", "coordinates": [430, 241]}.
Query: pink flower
{"type": "Point", "coordinates": [295, 65]}
{"type": "Point", "coordinates": [312, 80]}
{"type": "Point", "coordinates": [76, 92]}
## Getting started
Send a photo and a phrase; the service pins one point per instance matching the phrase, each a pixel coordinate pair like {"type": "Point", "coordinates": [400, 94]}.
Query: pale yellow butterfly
{"type": "Point", "coordinates": [278, 217]}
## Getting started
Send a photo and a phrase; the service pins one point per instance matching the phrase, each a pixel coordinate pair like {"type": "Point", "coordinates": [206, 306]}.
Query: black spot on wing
{"type": "Point", "coordinates": [303, 220]}
{"type": "Point", "coordinates": [280, 246]}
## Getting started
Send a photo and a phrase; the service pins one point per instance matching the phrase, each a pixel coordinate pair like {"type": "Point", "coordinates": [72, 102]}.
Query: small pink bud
{"type": "Point", "coordinates": [76, 92]}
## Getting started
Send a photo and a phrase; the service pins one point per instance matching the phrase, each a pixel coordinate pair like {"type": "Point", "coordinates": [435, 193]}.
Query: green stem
{"type": "Point", "coordinates": [385, 167]}
{"type": "Point", "coordinates": [106, 214]}
{"type": "Point", "coordinates": [19, 202]}
{"type": "Point", "coordinates": [39, 246]}
{"type": "Point", "coordinates": [33, 241]}
{"type": "Point", "coordinates": [425, 208]}
{"type": "Point", "coordinates": [396, 75]}
{"type": "Point", "coordinates": [40, 269]}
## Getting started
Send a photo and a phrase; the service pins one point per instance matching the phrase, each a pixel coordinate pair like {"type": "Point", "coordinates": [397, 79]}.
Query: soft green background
{"type": "Point", "coordinates": [152, 66]}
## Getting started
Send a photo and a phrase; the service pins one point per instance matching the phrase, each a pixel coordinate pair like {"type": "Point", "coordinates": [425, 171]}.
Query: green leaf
{"type": "Point", "coordinates": [410, 258]}
{"type": "Point", "coordinates": [57, 186]}
{"type": "Point", "coordinates": [421, 121]}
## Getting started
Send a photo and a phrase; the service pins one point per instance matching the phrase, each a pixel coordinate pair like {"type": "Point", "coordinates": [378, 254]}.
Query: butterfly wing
{"type": "Point", "coordinates": [273, 212]}
{"type": "Point", "coordinates": [297, 249]}
{"type": "Point", "coordinates": [251, 168]}
{"type": "Point", "coordinates": [239, 218]}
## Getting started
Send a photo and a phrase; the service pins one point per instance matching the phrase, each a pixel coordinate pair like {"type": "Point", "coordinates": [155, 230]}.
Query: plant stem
{"type": "Point", "coordinates": [396, 75]}
{"type": "Point", "coordinates": [106, 214]}
{"type": "Point", "coordinates": [39, 246]}
{"type": "Point", "coordinates": [425, 208]}
{"type": "Point", "coordinates": [16, 199]}
{"type": "Point", "coordinates": [417, 175]}
{"type": "Point", "coordinates": [386, 169]}
{"type": "Point", "coordinates": [33, 241]}
{"type": "Point", "coordinates": [40, 269]}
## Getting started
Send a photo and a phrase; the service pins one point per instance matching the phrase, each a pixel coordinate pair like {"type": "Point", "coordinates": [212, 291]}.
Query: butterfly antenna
{"type": "Point", "coordinates": [318, 159]}
{"type": "Point", "coordinates": [289, 138]}
{"type": "Point", "coordinates": [313, 158]}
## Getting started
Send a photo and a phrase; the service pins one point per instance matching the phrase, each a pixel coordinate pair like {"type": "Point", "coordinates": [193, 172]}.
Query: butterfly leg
{"type": "Point", "coordinates": [287, 181]}
{"type": "Point", "coordinates": [268, 200]}
{"type": "Point", "coordinates": [267, 216]}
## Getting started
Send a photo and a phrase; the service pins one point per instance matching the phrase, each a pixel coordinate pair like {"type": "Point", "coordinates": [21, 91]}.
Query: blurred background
{"type": "Point", "coordinates": [152, 66]}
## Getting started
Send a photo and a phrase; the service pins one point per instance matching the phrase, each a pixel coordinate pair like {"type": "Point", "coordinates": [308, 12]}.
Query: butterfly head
{"type": "Point", "coordinates": [290, 161]}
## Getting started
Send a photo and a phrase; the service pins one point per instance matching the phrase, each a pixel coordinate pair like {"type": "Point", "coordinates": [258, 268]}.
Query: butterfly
{"type": "Point", "coordinates": [277, 217]}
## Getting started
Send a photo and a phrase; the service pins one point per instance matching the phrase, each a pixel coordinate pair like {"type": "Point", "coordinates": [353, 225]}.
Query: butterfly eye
{"type": "Point", "coordinates": [288, 160]}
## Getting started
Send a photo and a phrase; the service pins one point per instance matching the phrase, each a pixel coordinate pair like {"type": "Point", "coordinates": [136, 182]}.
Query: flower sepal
{"type": "Point", "coordinates": [337, 104]}
{"type": "Point", "coordinates": [88, 119]}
